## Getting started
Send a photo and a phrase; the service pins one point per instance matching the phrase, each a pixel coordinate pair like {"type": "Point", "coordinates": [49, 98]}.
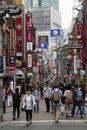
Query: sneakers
{"type": "Point", "coordinates": [82, 117]}
{"type": "Point", "coordinates": [56, 121]}
{"type": "Point", "coordinates": [27, 123]}
{"type": "Point", "coordinates": [13, 118]}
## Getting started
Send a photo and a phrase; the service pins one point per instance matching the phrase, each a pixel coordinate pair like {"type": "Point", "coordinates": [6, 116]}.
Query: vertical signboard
{"type": "Point", "coordinates": [12, 49]}
{"type": "Point", "coordinates": [29, 38]}
{"type": "Point", "coordinates": [19, 45]}
{"type": "Point", "coordinates": [30, 60]}
{"type": "Point", "coordinates": [80, 31]}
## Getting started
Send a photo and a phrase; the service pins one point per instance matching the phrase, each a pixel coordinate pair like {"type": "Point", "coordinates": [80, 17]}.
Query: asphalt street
{"type": "Point", "coordinates": [42, 119]}
{"type": "Point", "coordinates": [51, 126]}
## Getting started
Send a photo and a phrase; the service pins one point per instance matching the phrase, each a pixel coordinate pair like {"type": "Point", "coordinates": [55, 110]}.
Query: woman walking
{"type": "Point", "coordinates": [29, 102]}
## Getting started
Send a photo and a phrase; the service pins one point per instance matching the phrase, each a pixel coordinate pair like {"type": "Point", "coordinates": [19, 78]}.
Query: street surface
{"type": "Point", "coordinates": [43, 121]}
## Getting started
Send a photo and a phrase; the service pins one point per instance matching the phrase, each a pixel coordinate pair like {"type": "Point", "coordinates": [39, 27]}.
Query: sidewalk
{"type": "Point", "coordinates": [42, 116]}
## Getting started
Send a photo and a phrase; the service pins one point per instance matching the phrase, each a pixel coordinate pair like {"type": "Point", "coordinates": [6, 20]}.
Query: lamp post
{"type": "Point", "coordinates": [56, 48]}
{"type": "Point", "coordinates": [5, 12]}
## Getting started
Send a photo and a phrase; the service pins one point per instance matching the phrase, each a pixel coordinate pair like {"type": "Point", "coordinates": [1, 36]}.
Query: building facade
{"type": "Point", "coordinates": [54, 4]}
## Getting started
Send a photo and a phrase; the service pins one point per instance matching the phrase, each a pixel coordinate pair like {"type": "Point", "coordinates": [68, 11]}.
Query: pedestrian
{"type": "Point", "coordinates": [46, 92]}
{"type": "Point", "coordinates": [29, 102]}
{"type": "Point", "coordinates": [19, 87]}
{"type": "Point", "coordinates": [56, 95]}
{"type": "Point", "coordinates": [68, 100]}
{"type": "Point", "coordinates": [36, 93]}
{"type": "Point", "coordinates": [9, 97]}
{"type": "Point", "coordinates": [62, 88]}
{"type": "Point", "coordinates": [78, 101]}
{"type": "Point", "coordinates": [16, 103]}
{"type": "Point", "coordinates": [51, 99]}
{"type": "Point", "coordinates": [4, 99]}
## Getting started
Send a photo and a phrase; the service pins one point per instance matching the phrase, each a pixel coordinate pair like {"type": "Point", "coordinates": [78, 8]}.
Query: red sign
{"type": "Point", "coordinates": [29, 36]}
{"type": "Point", "coordinates": [19, 26]}
{"type": "Point", "coordinates": [28, 23]}
{"type": "Point", "coordinates": [80, 31]}
{"type": "Point", "coordinates": [19, 46]}
{"type": "Point", "coordinates": [12, 67]}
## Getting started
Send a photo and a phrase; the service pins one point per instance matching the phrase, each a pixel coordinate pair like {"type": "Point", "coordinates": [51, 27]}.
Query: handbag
{"type": "Point", "coordinates": [68, 101]}
{"type": "Point", "coordinates": [23, 107]}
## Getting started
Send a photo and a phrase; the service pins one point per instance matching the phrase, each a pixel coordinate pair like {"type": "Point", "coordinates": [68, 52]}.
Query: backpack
{"type": "Point", "coordinates": [79, 95]}
{"type": "Point", "coordinates": [56, 97]}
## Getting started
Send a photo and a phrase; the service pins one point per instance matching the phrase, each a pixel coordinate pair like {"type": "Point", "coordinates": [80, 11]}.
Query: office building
{"type": "Point", "coordinates": [34, 3]}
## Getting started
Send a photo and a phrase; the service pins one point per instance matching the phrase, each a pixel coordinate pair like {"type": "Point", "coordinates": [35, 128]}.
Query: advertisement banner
{"type": "Point", "coordinates": [28, 22]}
{"type": "Point", "coordinates": [55, 32]}
{"type": "Point", "coordinates": [30, 59]}
{"type": "Point", "coordinates": [29, 46]}
{"type": "Point", "coordinates": [19, 43]}
{"type": "Point", "coordinates": [12, 40]}
{"type": "Point", "coordinates": [28, 36]}
{"type": "Point", "coordinates": [43, 42]}
{"type": "Point", "coordinates": [19, 26]}
{"type": "Point", "coordinates": [80, 31]}
{"type": "Point", "coordinates": [36, 39]}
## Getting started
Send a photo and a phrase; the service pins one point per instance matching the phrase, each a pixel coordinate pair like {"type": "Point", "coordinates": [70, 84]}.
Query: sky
{"type": "Point", "coordinates": [65, 8]}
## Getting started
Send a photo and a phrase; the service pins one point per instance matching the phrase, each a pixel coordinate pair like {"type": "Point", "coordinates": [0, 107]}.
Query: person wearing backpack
{"type": "Point", "coordinates": [78, 101]}
{"type": "Point", "coordinates": [56, 95]}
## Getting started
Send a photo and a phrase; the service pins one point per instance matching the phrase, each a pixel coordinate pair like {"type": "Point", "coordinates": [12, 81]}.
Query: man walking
{"type": "Point", "coordinates": [16, 103]}
{"type": "Point", "coordinates": [56, 95]}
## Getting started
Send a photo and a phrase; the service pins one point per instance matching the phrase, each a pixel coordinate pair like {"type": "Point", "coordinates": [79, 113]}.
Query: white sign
{"type": "Point", "coordinates": [29, 60]}
{"type": "Point", "coordinates": [77, 63]}
{"type": "Point", "coordinates": [35, 69]}
{"type": "Point", "coordinates": [29, 46]}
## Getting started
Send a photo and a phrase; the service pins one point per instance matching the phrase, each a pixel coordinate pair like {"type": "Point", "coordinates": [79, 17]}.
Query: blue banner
{"type": "Point", "coordinates": [55, 32]}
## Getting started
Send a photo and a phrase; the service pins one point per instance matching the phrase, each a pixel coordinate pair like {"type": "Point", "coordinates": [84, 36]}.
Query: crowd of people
{"type": "Point", "coordinates": [66, 99]}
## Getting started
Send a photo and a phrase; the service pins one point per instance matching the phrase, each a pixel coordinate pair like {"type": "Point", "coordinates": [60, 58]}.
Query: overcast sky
{"type": "Point", "coordinates": [66, 12]}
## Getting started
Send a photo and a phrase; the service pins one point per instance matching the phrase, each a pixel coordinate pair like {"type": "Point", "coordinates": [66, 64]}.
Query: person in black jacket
{"type": "Point", "coordinates": [16, 103]}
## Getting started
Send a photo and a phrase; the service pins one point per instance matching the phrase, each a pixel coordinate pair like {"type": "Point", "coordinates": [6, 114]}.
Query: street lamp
{"type": "Point", "coordinates": [76, 47]}
{"type": "Point", "coordinates": [56, 48]}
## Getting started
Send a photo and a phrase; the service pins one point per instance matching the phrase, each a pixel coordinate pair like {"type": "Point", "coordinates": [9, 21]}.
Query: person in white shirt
{"type": "Point", "coordinates": [29, 101]}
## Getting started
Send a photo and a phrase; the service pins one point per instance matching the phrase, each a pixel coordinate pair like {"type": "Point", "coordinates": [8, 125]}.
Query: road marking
{"type": "Point", "coordinates": [44, 121]}
{"type": "Point", "coordinates": [52, 121]}
{"type": "Point", "coordinates": [3, 123]}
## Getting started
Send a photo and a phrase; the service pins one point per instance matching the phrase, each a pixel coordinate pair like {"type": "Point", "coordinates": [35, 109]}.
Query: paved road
{"type": "Point", "coordinates": [39, 126]}
{"type": "Point", "coordinates": [41, 117]}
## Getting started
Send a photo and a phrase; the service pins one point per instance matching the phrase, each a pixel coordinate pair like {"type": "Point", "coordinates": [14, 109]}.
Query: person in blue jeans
{"type": "Point", "coordinates": [78, 103]}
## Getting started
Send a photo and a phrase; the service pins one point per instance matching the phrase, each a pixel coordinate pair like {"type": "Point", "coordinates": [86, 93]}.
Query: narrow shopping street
{"type": "Point", "coordinates": [41, 118]}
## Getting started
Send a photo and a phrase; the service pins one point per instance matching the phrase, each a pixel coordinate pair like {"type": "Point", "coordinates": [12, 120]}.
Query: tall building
{"type": "Point", "coordinates": [53, 3]}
